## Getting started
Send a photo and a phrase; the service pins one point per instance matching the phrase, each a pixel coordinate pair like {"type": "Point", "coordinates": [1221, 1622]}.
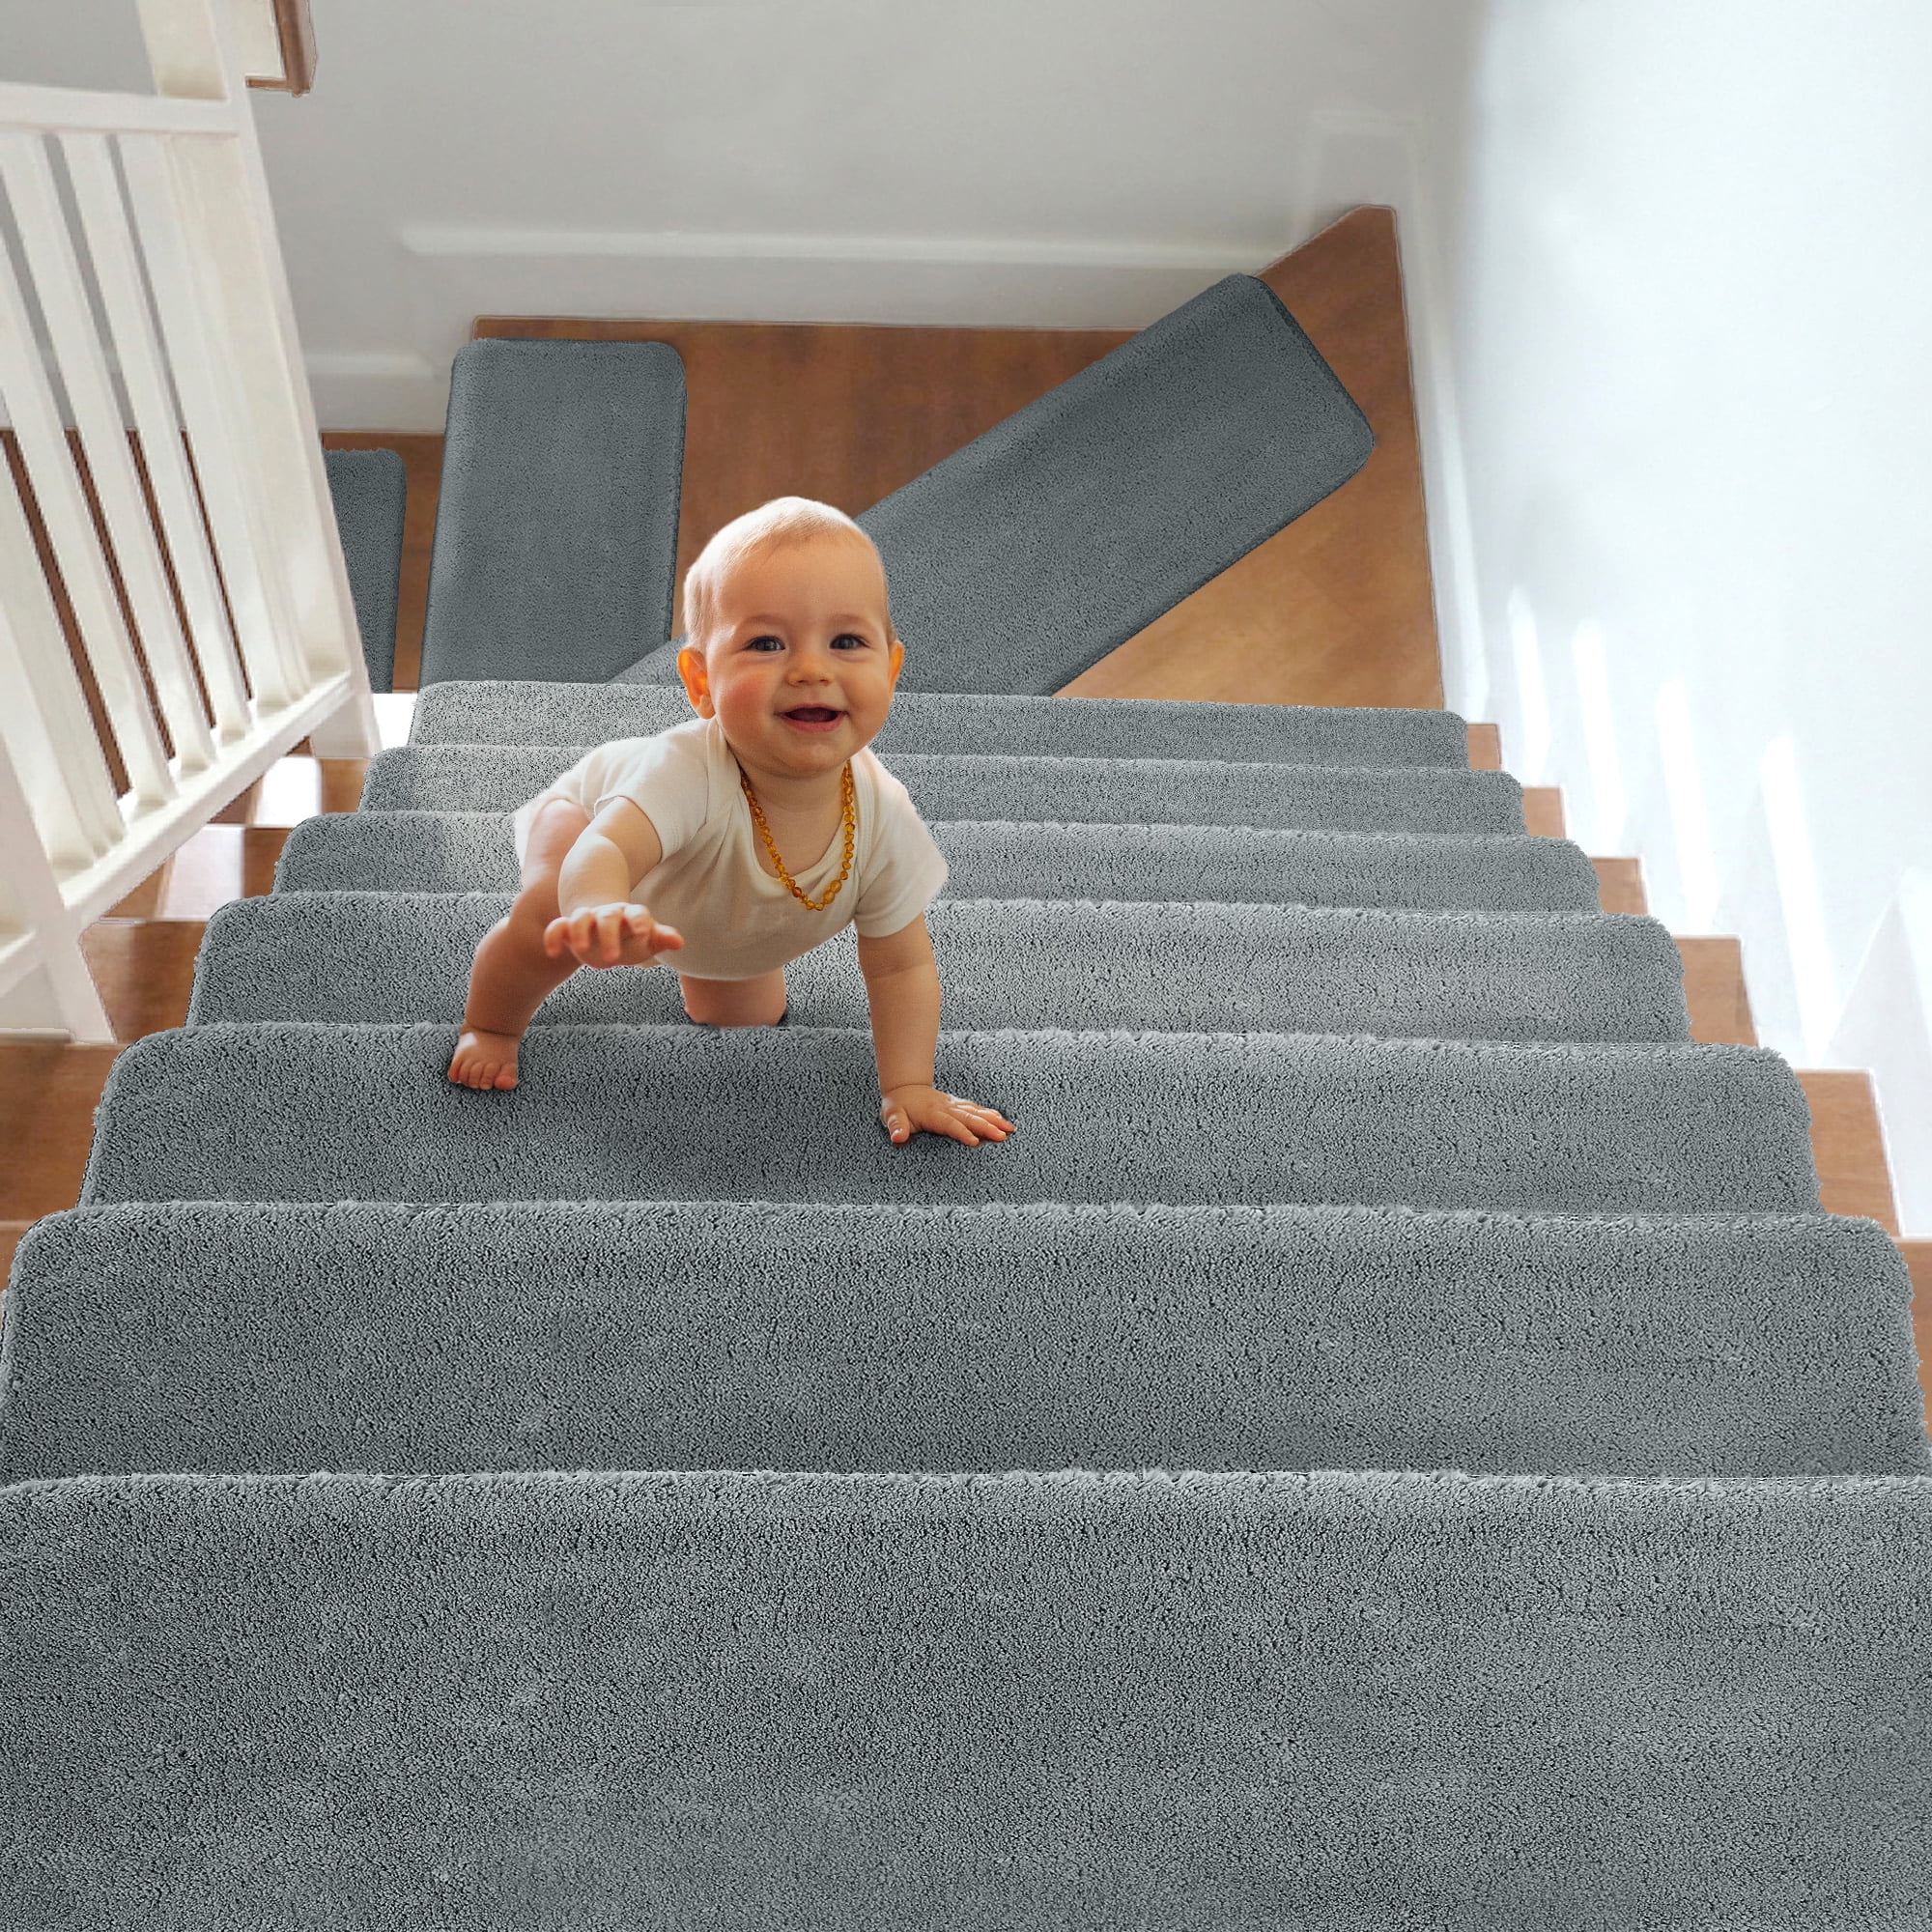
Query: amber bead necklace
{"type": "Point", "coordinates": [849, 801]}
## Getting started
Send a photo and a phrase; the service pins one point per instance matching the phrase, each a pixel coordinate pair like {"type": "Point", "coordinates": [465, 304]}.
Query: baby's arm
{"type": "Point", "coordinates": [598, 921]}
{"type": "Point", "coordinates": [902, 990]}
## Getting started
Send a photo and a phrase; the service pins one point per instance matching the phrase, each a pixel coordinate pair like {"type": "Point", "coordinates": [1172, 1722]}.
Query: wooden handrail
{"type": "Point", "coordinates": [295, 29]}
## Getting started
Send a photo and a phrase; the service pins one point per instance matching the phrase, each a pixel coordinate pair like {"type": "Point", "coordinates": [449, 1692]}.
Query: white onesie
{"type": "Point", "coordinates": [736, 920]}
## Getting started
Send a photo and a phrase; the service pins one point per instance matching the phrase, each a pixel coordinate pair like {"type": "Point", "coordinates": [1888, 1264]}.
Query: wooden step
{"type": "Point", "coordinates": [1543, 812]}
{"type": "Point", "coordinates": [1714, 990]}
{"type": "Point", "coordinates": [144, 968]}
{"type": "Point", "coordinates": [219, 863]}
{"type": "Point", "coordinates": [1918, 1264]}
{"type": "Point", "coordinates": [1486, 747]}
{"type": "Point", "coordinates": [295, 789]}
{"type": "Point", "coordinates": [1620, 885]}
{"type": "Point", "coordinates": [1848, 1145]}
{"type": "Point", "coordinates": [49, 1092]}
{"type": "Point", "coordinates": [147, 972]}
{"type": "Point", "coordinates": [71, 1078]}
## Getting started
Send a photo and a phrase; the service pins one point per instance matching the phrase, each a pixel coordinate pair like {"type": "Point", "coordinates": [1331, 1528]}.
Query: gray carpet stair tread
{"type": "Point", "coordinates": [289, 1112]}
{"type": "Point", "coordinates": [1170, 791]}
{"type": "Point", "coordinates": [368, 489]}
{"type": "Point", "coordinates": [555, 545]}
{"type": "Point", "coordinates": [1024, 557]}
{"type": "Point", "coordinates": [1073, 963]}
{"type": "Point", "coordinates": [1130, 1697]}
{"type": "Point", "coordinates": [530, 713]}
{"type": "Point", "coordinates": [454, 852]}
{"type": "Point", "coordinates": [683, 1335]}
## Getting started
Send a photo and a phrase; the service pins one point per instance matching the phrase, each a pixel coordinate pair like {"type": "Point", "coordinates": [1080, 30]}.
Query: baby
{"type": "Point", "coordinates": [763, 826]}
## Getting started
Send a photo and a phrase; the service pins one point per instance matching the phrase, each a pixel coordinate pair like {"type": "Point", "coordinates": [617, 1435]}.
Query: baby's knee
{"type": "Point", "coordinates": [735, 1002]}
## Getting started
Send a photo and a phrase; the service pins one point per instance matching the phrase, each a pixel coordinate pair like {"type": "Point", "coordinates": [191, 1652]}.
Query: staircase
{"type": "Point", "coordinates": [1391, 1440]}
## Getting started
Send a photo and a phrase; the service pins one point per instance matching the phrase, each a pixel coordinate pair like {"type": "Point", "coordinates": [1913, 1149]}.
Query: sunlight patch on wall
{"type": "Point", "coordinates": [1532, 702]}
{"type": "Point", "coordinates": [1696, 861]}
{"type": "Point", "coordinates": [1887, 1025]}
{"type": "Point", "coordinates": [1813, 980]}
{"type": "Point", "coordinates": [1599, 741]}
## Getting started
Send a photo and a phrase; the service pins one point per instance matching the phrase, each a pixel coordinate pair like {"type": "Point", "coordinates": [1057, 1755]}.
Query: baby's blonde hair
{"type": "Point", "coordinates": [781, 524]}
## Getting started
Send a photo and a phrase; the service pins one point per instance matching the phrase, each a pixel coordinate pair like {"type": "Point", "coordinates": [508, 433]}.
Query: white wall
{"type": "Point", "coordinates": [1686, 307]}
{"type": "Point", "coordinates": [1058, 162]}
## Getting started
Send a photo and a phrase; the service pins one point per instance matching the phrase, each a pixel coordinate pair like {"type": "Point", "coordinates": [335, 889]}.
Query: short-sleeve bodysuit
{"type": "Point", "coordinates": [736, 920]}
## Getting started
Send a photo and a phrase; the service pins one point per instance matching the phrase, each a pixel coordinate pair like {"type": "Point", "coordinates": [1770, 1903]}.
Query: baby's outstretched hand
{"type": "Point", "coordinates": [611, 935]}
{"type": "Point", "coordinates": [905, 1110]}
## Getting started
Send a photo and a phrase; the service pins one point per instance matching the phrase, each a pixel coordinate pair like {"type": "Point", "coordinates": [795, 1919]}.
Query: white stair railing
{"type": "Point", "coordinates": [172, 217]}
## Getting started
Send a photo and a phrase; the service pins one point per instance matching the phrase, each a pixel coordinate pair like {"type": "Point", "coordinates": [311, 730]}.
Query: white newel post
{"type": "Point", "coordinates": [173, 217]}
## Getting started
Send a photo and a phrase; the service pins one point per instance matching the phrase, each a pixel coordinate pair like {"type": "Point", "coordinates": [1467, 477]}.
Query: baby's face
{"type": "Point", "coordinates": [806, 626]}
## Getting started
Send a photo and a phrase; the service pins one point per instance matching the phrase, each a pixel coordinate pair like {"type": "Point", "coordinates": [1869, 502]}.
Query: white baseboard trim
{"type": "Point", "coordinates": [1217, 257]}
{"type": "Point", "coordinates": [896, 279]}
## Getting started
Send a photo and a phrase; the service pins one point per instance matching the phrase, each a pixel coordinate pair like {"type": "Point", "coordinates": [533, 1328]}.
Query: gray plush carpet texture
{"type": "Point", "coordinates": [767, 1699]}
{"type": "Point", "coordinates": [1443, 871]}
{"type": "Point", "coordinates": [527, 712]}
{"type": "Point", "coordinates": [1390, 1442]}
{"type": "Point", "coordinates": [1023, 558]}
{"type": "Point", "coordinates": [1093, 791]}
{"type": "Point", "coordinates": [291, 1112]}
{"type": "Point", "coordinates": [1169, 968]}
{"type": "Point", "coordinates": [684, 1335]}
{"type": "Point", "coordinates": [555, 547]}
{"type": "Point", "coordinates": [369, 490]}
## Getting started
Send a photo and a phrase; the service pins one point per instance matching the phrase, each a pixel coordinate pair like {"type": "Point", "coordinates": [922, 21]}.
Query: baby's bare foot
{"type": "Point", "coordinates": [485, 1060]}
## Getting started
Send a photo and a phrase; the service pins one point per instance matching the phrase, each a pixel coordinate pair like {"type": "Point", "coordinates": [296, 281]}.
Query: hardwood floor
{"type": "Point", "coordinates": [1337, 608]}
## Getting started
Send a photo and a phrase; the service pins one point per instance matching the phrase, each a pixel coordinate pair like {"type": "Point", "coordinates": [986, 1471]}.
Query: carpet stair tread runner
{"type": "Point", "coordinates": [367, 492]}
{"type": "Point", "coordinates": [479, 712]}
{"type": "Point", "coordinates": [1028, 554]}
{"type": "Point", "coordinates": [284, 1110]}
{"type": "Point", "coordinates": [771, 1699]}
{"type": "Point", "coordinates": [472, 851]}
{"type": "Point", "coordinates": [353, 957]}
{"type": "Point", "coordinates": [204, 1336]}
{"type": "Point", "coordinates": [556, 513]}
{"type": "Point", "coordinates": [1192, 791]}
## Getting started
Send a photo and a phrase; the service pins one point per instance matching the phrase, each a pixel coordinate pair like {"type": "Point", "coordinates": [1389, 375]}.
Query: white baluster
{"type": "Point", "coordinates": [53, 940]}
{"type": "Point", "coordinates": [232, 220]}
{"type": "Point", "coordinates": [104, 216]}
{"type": "Point", "coordinates": [57, 490]}
{"type": "Point", "coordinates": [44, 719]}
{"type": "Point", "coordinates": [50, 249]}
{"type": "Point", "coordinates": [196, 354]}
